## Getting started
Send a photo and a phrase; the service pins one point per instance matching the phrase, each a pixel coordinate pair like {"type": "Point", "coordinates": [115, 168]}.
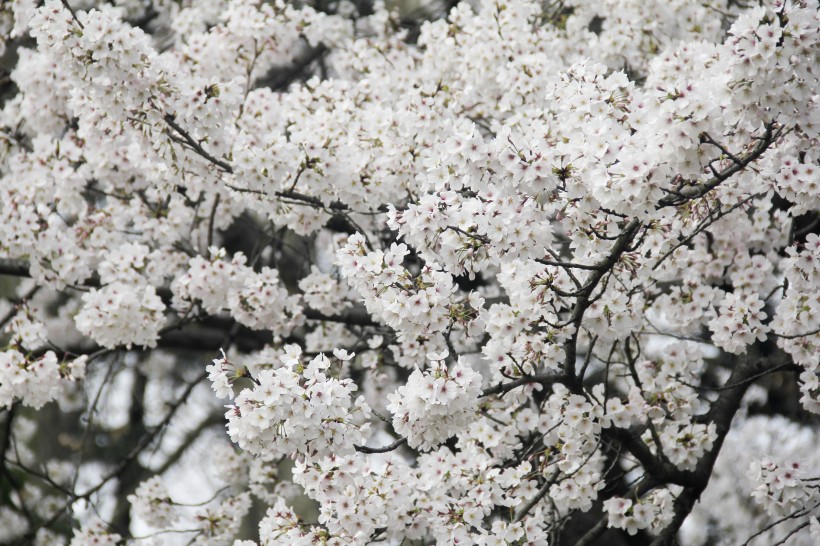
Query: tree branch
{"type": "Point", "coordinates": [187, 139]}
{"type": "Point", "coordinates": [385, 449]}
{"type": "Point", "coordinates": [695, 191]}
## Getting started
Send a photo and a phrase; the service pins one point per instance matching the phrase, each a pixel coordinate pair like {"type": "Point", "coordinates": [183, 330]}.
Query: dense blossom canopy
{"type": "Point", "coordinates": [519, 272]}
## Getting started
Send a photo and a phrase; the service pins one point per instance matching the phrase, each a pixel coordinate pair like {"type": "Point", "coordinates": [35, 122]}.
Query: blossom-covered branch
{"type": "Point", "coordinates": [493, 273]}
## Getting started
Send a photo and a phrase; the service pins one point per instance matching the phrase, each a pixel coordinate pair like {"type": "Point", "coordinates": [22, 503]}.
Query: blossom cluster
{"type": "Point", "coordinates": [324, 293]}
{"type": "Point", "coordinates": [256, 299]}
{"type": "Point", "coordinates": [34, 382]}
{"type": "Point", "coordinates": [782, 487]}
{"type": "Point", "coordinates": [652, 512]}
{"type": "Point", "coordinates": [94, 534]}
{"type": "Point", "coordinates": [152, 503]}
{"type": "Point", "coordinates": [419, 307]}
{"type": "Point", "coordinates": [798, 318]}
{"type": "Point", "coordinates": [464, 234]}
{"type": "Point", "coordinates": [435, 403]}
{"type": "Point", "coordinates": [740, 323]}
{"type": "Point", "coordinates": [28, 377]}
{"type": "Point", "coordinates": [294, 408]}
{"type": "Point", "coordinates": [119, 314]}
{"type": "Point", "coordinates": [439, 497]}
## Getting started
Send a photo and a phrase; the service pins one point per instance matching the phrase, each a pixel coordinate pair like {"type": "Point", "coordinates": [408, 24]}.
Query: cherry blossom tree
{"type": "Point", "coordinates": [501, 272]}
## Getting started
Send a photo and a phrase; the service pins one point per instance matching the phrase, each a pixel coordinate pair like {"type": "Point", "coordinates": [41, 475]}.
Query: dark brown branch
{"type": "Point", "coordinates": [713, 217]}
{"type": "Point", "coordinates": [354, 317]}
{"type": "Point", "coordinates": [795, 336]}
{"type": "Point", "coordinates": [687, 193]}
{"type": "Point", "coordinates": [502, 388]}
{"type": "Point", "coordinates": [5, 319]}
{"type": "Point", "coordinates": [534, 500]}
{"type": "Point", "coordinates": [186, 139]}
{"type": "Point", "coordinates": [659, 470]}
{"type": "Point", "coordinates": [583, 300]}
{"type": "Point", "coordinates": [279, 79]}
{"type": "Point", "coordinates": [211, 220]}
{"type": "Point", "coordinates": [704, 137]}
{"type": "Point", "coordinates": [14, 268]}
{"type": "Point", "coordinates": [395, 445]}
{"type": "Point", "coordinates": [593, 533]}
{"type": "Point", "coordinates": [721, 414]}
{"type": "Point", "coordinates": [569, 265]}
{"type": "Point", "coordinates": [333, 206]}
{"type": "Point", "coordinates": [67, 6]}
{"type": "Point", "coordinates": [186, 443]}
{"type": "Point", "coordinates": [6, 442]}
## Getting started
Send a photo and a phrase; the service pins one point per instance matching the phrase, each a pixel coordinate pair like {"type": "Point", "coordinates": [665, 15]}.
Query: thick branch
{"type": "Point", "coordinates": [13, 268]}
{"type": "Point", "coordinates": [279, 79]}
{"type": "Point", "coordinates": [721, 414]}
{"type": "Point", "coordinates": [583, 300]}
{"type": "Point", "coordinates": [353, 317]}
{"type": "Point", "coordinates": [687, 193]}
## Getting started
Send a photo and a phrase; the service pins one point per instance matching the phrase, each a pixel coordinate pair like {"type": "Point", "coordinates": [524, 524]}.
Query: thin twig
{"type": "Point", "coordinates": [67, 6]}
